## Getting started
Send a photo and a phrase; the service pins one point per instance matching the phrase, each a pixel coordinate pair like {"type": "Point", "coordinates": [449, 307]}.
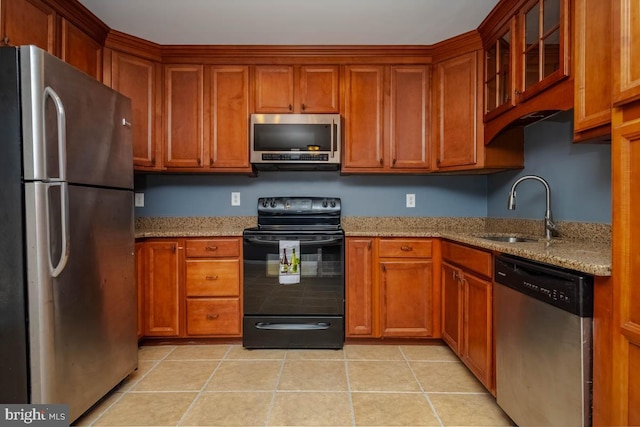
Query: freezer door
{"type": "Point", "coordinates": [75, 128]}
{"type": "Point", "coordinates": [83, 323]}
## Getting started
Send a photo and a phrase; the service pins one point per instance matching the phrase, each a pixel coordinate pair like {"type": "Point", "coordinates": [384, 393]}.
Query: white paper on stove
{"type": "Point", "coordinates": [289, 262]}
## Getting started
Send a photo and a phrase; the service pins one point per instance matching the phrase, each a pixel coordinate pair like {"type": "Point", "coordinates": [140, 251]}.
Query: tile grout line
{"type": "Point", "coordinates": [156, 362]}
{"type": "Point", "coordinates": [107, 409]}
{"type": "Point", "coordinates": [424, 394]}
{"type": "Point", "coordinates": [204, 386]}
{"type": "Point", "coordinates": [346, 371]}
{"type": "Point", "coordinates": [267, 421]}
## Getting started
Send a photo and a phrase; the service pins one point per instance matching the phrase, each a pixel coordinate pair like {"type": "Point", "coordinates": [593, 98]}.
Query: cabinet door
{"type": "Point", "coordinates": [162, 289]}
{"type": "Point", "coordinates": [626, 51]}
{"type": "Point", "coordinates": [455, 103]}
{"type": "Point", "coordinates": [499, 73]}
{"type": "Point", "coordinates": [410, 116]}
{"type": "Point", "coordinates": [359, 288]}
{"type": "Point", "coordinates": [139, 79]}
{"type": "Point", "coordinates": [319, 89]}
{"type": "Point", "coordinates": [451, 307]}
{"type": "Point", "coordinates": [477, 325]}
{"type": "Point", "coordinates": [544, 52]}
{"type": "Point", "coordinates": [625, 155]}
{"type": "Point", "coordinates": [406, 289]}
{"type": "Point", "coordinates": [28, 22]}
{"type": "Point", "coordinates": [364, 117]}
{"type": "Point", "coordinates": [80, 50]}
{"type": "Point", "coordinates": [592, 65]}
{"type": "Point", "coordinates": [229, 128]}
{"type": "Point", "coordinates": [140, 282]}
{"type": "Point", "coordinates": [183, 116]}
{"type": "Point", "coordinates": [274, 89]}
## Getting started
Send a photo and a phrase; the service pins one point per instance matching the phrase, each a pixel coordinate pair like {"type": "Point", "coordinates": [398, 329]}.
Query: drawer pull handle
{"type": "Point", "coordinates": [406, 248]}
{"type": "Point", "coordinates": [211, 248]}
{"type": "Point", "coordinates": [212, 316]}
{"type": "Point", "coordinates": [211, 277]}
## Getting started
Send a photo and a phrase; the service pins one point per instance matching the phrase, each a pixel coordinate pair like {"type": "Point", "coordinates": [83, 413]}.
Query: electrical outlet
{"type": "Point", "coordinates": [235, 198]}
{"type": "Point", "coordinates": [411, 200]}
{"type": "Point", "coordinates": [138, 200]}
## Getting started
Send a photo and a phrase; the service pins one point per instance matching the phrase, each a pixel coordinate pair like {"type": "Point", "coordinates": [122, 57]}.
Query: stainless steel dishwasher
{"type": "Point", "coordinates": [543, 318]}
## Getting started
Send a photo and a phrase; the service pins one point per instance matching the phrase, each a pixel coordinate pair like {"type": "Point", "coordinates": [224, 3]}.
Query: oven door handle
{"type": "Point", "coordinates": [302, 240]}
{"type": "Point", "coordinates": [316, 326]}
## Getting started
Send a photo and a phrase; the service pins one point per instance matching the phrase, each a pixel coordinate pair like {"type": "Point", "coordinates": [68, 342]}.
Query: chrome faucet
{"type": "Point", "coordinates": [550, 228]}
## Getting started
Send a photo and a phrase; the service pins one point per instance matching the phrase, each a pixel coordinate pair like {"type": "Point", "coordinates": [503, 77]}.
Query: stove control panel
{"type": "Point", "coordinates": [299, 206]}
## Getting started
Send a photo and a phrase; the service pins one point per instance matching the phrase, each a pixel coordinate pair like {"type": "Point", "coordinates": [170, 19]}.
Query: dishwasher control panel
{"type": "Point", "coordinates": [566, 289]}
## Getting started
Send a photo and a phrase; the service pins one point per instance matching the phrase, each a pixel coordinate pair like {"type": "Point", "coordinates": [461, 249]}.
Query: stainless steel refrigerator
{"type": "Point", "coordinates": [67, 283]}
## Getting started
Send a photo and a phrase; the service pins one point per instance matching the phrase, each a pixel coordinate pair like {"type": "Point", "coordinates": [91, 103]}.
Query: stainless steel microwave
{"type": "Point", "coordinates": [295, 141]}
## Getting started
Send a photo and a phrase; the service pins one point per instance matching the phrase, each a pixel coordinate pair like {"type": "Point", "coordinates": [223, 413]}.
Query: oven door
{"type": "Point", "coordinates": [304, 312]}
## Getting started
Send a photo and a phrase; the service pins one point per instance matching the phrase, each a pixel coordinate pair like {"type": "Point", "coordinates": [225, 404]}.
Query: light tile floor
{"type": "Point", "coordinates": [360, 385]}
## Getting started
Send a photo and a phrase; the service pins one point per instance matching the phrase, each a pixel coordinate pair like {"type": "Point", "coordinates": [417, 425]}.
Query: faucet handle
{"type": "Point", "coordinates": [551, 228]}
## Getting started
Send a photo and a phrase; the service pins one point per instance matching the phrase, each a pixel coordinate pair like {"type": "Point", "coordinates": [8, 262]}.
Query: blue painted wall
{"type": "Point", "coordinates": [579, 176]}
{"type": "Point", "coordinates": [371, 195]}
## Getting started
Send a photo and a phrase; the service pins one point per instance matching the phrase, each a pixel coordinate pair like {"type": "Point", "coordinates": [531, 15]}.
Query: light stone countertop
{"type": "Point", "coordinates": [584, 247]}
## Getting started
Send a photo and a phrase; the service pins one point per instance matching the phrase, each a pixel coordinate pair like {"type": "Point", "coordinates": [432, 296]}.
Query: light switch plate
{"type": "Point", "coordinates": [138, 200]}
{"type": "Point", "coordinates": [235, 198]}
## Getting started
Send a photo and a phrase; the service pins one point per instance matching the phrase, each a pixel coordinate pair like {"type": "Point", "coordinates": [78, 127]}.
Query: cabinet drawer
{"type": "Point", "coordinates": [472, 259]}
{"type": "Point", "coordinates": [220, 316]}
{"type": "Point", "coordinates": [210, 248]}
{"type": "Point", "coordinates": [405, 248]}
{"type": "Point", "coordinates": [213, 278]}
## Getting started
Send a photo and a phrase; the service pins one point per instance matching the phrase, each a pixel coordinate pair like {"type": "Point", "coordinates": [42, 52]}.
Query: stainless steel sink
{"type": "Point", "coordinates": [508, 239]}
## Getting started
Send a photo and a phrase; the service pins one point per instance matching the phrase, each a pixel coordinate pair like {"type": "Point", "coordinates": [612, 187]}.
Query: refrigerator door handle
{"type": "Point", "coordinates": [60, 180]}
{"type": "Point", "coordinates": [62, 131]}
{"type": "Point", "coordinates": [64, 224]}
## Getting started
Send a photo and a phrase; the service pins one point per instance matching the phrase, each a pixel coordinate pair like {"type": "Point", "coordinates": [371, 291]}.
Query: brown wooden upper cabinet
{"type": "Point", "coordinates": [458, 142]}
{"type": "Point", "coordinates": [457, 128]}
{"type": "Point", "coordinates": [206, 118]}
{"type": "Point", "coordinates": [387, 119]}
{"type": "Point", "coordinates": [228, 120]}
{"type": "Point", "coordinates": [592, 21]}
{"type": "Point", "coordinates": [80, 50]}
{"type": "Point", "coordinates": [57, 27]}
{"type": "Point", "coordinates": [526, 53]}
{"type": "Point", "coordinates": [543, 53]}
{"type": "Point", "coordinates": [626, 39]}
{"type": "Point", "coordinates": [297, 89]}
{"type": "Point", "coordinates": [25, 22]}
{"type": "Point", "coordinates": [499, 73]}
{"type": "Point", "coordinates": [184, 134]}
{"type": "Point", "coordinates": [140, 80]}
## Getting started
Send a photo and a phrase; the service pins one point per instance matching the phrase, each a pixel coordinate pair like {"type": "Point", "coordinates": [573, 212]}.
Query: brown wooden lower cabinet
{"type": "Point", "coordinates": [213, 316]}
{"type": "Point", "coordinates": [405, 295]}
{"type": "Point", "coordinates": [467, 308]}
{"type": "Point", "coordinates": [360, 296]}
{"type": "Point", "coordinates": [162, 288]}
{"type": "Point", "coordinates": [390, 288]}
{"type": "Point", "coordinates": [192, 287]}
{"type": "Point", "coordinates": [140, 282]}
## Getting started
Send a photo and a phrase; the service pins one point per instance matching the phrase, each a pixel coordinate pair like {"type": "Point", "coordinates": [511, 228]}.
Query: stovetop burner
{"type": "Point", "coordinates": [299, 213]}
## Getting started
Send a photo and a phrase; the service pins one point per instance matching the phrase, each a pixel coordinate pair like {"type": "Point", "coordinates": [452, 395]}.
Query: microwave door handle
{"type": "Point", "coordinates": [333, 125]}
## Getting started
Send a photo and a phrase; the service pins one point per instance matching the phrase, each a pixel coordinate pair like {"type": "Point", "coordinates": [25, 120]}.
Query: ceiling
{"type": "Point", "coordinates": [292, 22]}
